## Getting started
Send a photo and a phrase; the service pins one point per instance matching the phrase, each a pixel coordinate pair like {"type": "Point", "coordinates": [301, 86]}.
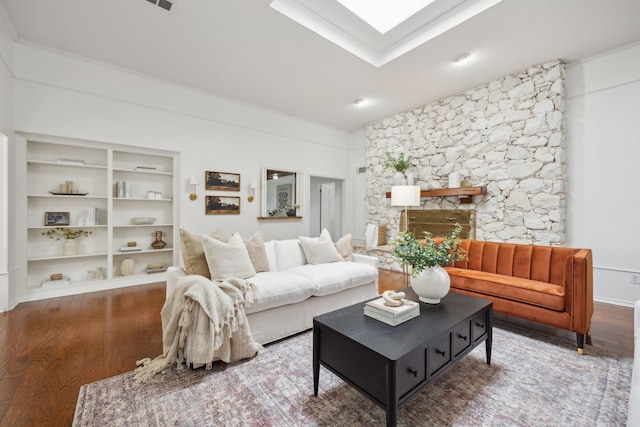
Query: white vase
{"type": "Point", "coordinates": [70, 247]}
{"type": "Point", "coordinates": [127, 267]}
{"type": "Point", "coordinates": [397, 178]}
{"type": "Point", "coordinates": [431, 284]}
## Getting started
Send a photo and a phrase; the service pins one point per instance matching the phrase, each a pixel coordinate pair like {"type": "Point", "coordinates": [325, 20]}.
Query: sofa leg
{"type": "Point", "coordinates": [580, 343]}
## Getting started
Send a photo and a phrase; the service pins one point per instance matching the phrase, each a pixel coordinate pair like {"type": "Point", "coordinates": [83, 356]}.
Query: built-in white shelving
{"type": "Point", "coordinates": [96, 169]}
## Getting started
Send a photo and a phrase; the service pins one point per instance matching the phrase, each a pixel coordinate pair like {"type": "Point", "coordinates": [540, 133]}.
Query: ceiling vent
{"type": "Point", "coordinates": [361, 169]}
{"type": "Point", "coordinates": [165, 4]}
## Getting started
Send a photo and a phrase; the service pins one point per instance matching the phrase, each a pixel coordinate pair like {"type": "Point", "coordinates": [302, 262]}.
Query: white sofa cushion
{"type": "Point", "coordinates": [275, 289]}
{"type": "Point", "coordinates": [289, 254]}
{"type": "Point", "coordinates": [319, 251]}
{"type": "Point", "coordinates": [229, 259]}
{"type": "Point", "coordinates": [336, 276]}
{"type": "Point", "coordinates": [270, 249]}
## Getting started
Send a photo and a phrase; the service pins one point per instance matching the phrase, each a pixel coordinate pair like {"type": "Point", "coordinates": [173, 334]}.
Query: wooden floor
{"type": "Point", "coordinates": [52, 347]}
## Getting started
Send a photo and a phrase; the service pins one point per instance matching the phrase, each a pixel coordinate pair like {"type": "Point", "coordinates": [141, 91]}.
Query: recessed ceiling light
{"type": "Point", "coordinates": [358, 101]}
{"type": "Point", "coordinates": [384, 15]}
{"type": "Point", "coordinates": [462, 58]}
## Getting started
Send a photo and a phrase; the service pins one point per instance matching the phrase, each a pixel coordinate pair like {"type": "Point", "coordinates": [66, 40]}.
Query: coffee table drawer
{"type": "Point", "coordinates": [461, 338]}
{"type": "Point", "coordinates": [479, 326]}
{"type": "Point", "coordinates": [412, 370]}
{"type": "Point", "coordinates": [439, 353]}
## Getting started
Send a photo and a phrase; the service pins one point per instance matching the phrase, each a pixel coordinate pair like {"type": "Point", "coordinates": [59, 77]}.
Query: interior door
{"type": "Point", "coordinates": [328, 208]}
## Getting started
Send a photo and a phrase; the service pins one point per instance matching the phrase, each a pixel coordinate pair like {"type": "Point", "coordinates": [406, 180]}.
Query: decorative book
{"type": "Point", "coordinates": [407, 306]}
{"type": "Point", "coordinates": [381, 315]}
{"type": "Point", "coordinates": [392, 314]}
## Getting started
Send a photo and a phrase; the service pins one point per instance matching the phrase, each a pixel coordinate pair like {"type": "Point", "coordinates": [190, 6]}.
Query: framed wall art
{"type": "Point", "coordinates": [222, 205]}
{"type": "Point", "coordinates": [284, 196]}
{"type": "Point", "coordinates": [56, 218]}
{"type": "Point", "coordinates": [222, 181]}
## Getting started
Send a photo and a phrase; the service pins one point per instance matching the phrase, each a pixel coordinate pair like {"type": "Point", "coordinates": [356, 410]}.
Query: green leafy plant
{"type": "Point", "coordinates": [420, 255]}
{"type": "Point", "coordinates": [65, 233]}
{"type": "Point", "coordinates": [289, 207]}
{"type": "Point", "coordinates": [399, 163]}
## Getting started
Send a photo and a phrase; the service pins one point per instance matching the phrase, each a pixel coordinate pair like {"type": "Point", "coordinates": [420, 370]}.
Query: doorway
{"type": "Point", "coordinates": [326, 206]}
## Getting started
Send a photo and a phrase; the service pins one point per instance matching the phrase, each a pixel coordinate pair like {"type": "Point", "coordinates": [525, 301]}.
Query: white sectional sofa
{"type": "Point", "coordinates": [296, 285]}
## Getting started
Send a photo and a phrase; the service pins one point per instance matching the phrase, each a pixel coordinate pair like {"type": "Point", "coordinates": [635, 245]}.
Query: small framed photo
{"type": "Point", "coordinates": [222, 205]}
{"type": "Point", "coordinates": [222, 181]}
{"type": "Point", "coordinates": [56, 218]}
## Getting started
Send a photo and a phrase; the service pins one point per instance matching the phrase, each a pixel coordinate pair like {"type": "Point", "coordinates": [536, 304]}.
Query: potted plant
{"type": "Point", "coordinates": [400, 164]}
{"type": "Point", "coordinates": [426, 258]}
{"type": "Point", "coordinates": [291, 209]}
{"type": "Point", "coordinates": [70, 246]}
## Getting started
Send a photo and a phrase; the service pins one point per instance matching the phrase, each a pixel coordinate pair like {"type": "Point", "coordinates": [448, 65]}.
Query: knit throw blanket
{"type": "Point", "coordinates": [203, 321]}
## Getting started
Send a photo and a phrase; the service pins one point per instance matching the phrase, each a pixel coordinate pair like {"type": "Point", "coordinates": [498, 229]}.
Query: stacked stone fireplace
{"type": "Point", "coordinates": [507, 136]}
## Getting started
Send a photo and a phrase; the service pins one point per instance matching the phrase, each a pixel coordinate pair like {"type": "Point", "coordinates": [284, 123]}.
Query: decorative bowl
{"type": "Point", "coordinates": [143, 220]}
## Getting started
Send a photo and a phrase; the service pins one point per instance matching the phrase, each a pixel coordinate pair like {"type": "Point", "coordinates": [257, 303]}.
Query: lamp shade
{"type": "Point", "coordinates": [405, 195]}
{"type": "Point", "coordinates": [194, 180]}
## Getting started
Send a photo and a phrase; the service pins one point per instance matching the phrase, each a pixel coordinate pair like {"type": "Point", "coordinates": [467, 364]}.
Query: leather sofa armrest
{"type": "Point", "coordinates": [582, 290]}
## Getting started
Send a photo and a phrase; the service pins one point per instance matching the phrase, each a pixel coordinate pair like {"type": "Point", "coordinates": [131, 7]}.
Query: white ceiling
{"type": "Point", "coordinates": [245, 50]}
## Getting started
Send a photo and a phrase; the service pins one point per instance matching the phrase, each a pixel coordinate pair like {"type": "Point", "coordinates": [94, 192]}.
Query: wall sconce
{"type": "Point", "coordinates": [252, 190]}
{"type": "Point", "coordinates": [194, 181]}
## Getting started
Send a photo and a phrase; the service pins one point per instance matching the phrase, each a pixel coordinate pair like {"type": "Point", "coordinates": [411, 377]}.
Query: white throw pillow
{"type": "Point", "coordinates": [229, 259]}
{"type": "Point", "coordinates": [343, 245]}
{"type": "Point", "coordinates": [319, 251]}
{"type": "Point", "coordinates": [289, 254]}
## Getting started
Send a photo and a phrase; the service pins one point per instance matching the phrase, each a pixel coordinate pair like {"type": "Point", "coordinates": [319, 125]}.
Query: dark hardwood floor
{"type": "Point", "coordinates": [52, 347]}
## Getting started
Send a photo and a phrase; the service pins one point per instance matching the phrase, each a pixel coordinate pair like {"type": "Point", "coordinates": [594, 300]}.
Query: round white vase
{"type": "Point", "coordinates": [70, 247]}
{"type": "Point", "coordinates": [431, 284]}
{"type": "Point", "coordinates": [127, 267]}
{"type": "Point", "coordinates": [397, 178]}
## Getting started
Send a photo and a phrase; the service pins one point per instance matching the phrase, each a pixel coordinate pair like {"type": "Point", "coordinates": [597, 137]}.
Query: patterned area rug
{"type": "Point", "coordinates": [535, 379]}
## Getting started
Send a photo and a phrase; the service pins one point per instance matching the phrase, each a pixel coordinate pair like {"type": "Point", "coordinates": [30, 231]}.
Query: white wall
{"type": "Point", "coordinates": [65, 96]}
{"type": "Point", "coordinates": [7, 221]}
{"type": "Point", "coordinates": [603, 151]}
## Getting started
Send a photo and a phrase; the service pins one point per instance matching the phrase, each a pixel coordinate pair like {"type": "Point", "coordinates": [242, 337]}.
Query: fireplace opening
{"type": "Point", "coordinates": [441, 222]}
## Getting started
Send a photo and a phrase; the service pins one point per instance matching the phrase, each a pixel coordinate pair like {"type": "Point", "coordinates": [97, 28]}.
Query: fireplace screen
{"type": "Point", "coordinates": [441, 222]}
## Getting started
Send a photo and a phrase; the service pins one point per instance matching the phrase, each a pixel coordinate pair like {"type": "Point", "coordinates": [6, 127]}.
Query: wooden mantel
{"type": "Point", "coordinates": [464, 193]}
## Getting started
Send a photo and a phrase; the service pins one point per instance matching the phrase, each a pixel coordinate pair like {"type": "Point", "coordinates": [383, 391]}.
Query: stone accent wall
{"type": "Point", "coordinates": [507, 135]}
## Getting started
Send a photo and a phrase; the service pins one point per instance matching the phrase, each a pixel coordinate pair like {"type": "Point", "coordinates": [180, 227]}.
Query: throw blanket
{"type": "Point", "coordinates": [203, 321]}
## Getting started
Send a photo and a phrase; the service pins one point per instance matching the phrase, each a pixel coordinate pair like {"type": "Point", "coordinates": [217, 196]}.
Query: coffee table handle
{"type": "Point", "coordinates": [441, 352]}
{"type": "Point", "coordinates": [411, 371]}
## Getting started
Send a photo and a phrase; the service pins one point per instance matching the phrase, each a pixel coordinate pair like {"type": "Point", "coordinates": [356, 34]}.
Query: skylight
{"type": "Point", "coordinates": [354, 24]}
{"type": "Point", "coordinates": [384, 15]}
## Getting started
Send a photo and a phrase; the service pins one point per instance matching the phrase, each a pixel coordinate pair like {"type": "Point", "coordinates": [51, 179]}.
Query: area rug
{"type": "Point", "coordinates": [535, 379]}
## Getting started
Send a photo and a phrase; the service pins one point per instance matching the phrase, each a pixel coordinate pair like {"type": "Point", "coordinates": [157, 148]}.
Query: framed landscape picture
{"type": "Point", "coordinates": [56, 218]}
{"type": "Point", "coordinates": [222, 205]}
{"type": "Point", "coordinates": [222, 181]}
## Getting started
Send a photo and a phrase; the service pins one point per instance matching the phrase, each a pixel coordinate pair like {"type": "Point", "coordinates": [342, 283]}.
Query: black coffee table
{"type": "Point", "coordinates": [391, 364]}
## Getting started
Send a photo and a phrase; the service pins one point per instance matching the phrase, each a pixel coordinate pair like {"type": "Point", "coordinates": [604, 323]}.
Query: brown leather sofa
{"type": "Point", "coordinates": [545, 284]}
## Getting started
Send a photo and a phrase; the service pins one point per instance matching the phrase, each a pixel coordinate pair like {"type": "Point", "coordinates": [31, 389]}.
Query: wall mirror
{"type": "Point", "coordinates": [280, 193]}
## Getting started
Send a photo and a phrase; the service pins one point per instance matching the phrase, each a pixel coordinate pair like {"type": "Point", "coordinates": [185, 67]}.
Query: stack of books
{"type": "Point", "coordinates": [392, 315]}
{"type": "Point", "coordinates": [130, 248]}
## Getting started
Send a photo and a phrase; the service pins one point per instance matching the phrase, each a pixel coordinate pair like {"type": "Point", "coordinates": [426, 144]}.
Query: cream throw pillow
{"type": "Point", "coordinates": [319, 251]}
{"type": "Point", "coordinates": [257, 252]}
{"type": "Point", "coordinates": [229, 259]}
{"type": "Point", "coordinates": [343, 245]}
{"type": "Point", "coordinates": [193, 253]}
